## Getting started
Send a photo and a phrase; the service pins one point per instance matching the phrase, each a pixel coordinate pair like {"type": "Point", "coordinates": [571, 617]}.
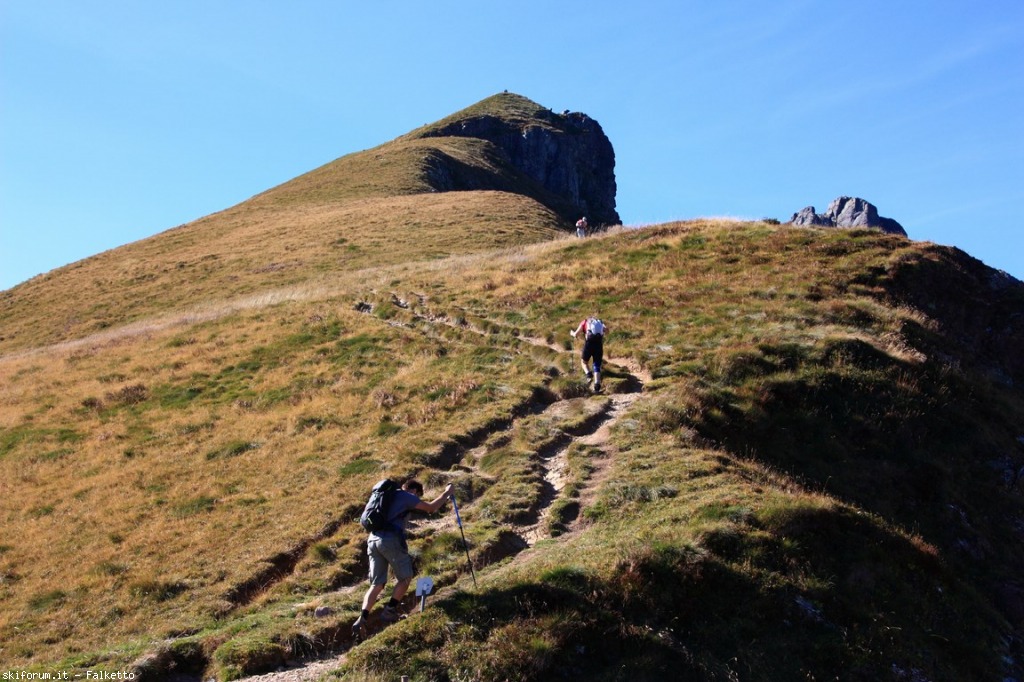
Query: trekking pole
{"type": "Point", "coordinates": [458, 520]}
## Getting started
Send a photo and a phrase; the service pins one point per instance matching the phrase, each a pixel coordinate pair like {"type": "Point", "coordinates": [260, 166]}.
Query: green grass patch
{"type": "Point", "coordinates": [12, 439]}
{"type": "Point", "coordinates": [360, 467]}
{"type": "Point", "coordinates": [192, 506]}
{"type": "Point", "coordinates": [386, 428]}
{"type": "Point", "coordinates": [323, 553]}
{"type": "Point", "coordinates": [247, 655]}
{"type": "Point", "coordinates": [110, 568]}
{"type": "Point", "coordinates": [54, 455]}
{"type": "Point", "coordinates": [232, 449]}
{"type": "Point", "coordinates": [177, 397]}
{"type": "Point", "coordinates": [47, 600]}
{"type": "Point", "coordinates": [157, 590]}
{"type": "Point", "coordinates": [40, 511]}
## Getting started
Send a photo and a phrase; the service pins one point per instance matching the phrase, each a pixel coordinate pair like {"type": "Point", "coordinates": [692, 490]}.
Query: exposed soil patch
{"type": "Point", "coordinates": [282, 565]}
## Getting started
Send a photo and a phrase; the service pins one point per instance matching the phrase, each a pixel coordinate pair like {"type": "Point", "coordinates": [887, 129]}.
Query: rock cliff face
{"type": "Point", "coordinates": [566, 160]}
{"type": "Point", "coordinates": [848, 212]}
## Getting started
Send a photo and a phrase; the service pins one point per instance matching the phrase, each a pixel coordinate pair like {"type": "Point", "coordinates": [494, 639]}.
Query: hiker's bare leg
{"type": "Point", "coordinates": [400, 589]}
{"type": "Point", "coordinates": [370, 598]}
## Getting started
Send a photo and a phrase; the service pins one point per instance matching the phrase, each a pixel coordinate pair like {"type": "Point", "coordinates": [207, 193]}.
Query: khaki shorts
{"type": "Point", "coordinates": [388, 550]}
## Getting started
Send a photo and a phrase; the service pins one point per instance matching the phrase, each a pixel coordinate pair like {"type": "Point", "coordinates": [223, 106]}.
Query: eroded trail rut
{"type": "Point", "coordinates": [600, 414]}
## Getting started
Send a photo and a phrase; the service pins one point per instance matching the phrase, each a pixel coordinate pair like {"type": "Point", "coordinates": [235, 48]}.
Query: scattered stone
{"type": "Point", "coordinates": [323, 611]}
{"type": "Point", "coordinates": [809, 609]}
{"type": "Point", "coordinates": [630, 424]}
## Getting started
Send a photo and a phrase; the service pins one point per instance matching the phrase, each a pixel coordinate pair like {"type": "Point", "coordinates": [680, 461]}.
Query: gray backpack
{"type": "Point", "coordinates": [375, 516]}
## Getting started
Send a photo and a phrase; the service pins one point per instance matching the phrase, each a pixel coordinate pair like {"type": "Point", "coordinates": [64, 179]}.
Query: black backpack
{"type": "Point", "coordinates": [375, 516]}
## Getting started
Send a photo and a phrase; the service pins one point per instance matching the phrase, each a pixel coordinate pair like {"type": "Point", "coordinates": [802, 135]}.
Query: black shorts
{"type": "Point", "coordinates": [593, 347]}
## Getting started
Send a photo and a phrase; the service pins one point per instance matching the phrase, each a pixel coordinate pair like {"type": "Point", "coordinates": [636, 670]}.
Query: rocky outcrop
{"type": "Point", "coordinates": [566, 160]}
{"type": "Point", "coordinates": [848, 212]}
{"type": "Point", "coordinates": [807, 216]}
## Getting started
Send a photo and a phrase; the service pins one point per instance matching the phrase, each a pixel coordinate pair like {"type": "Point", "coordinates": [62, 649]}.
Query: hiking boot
{"type": "Point", "coordinates": [597, 387]}
{"type": "Point", "coordinates": [359, 628]}
{"type": "Point", "coordinates": [588, 376]}
{"type": "Point", "coordinates": [389, 614]}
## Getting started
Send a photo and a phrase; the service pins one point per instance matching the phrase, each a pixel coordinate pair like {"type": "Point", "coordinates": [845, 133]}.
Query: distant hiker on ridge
{"type": "Point", "coordinates": [581, 227]}
{"type": "Point", "coordinates": [593, 330]}
{"type": "Point", "coordinates": [385, 517]}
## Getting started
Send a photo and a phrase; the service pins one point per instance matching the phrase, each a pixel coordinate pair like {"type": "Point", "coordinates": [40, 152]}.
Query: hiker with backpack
{"type": "Point", "coordinates": [593, 330]}
{"type": "Point", "coordinates": [385, 516]}
{"type": "Point", "coordinates": [581, 227]}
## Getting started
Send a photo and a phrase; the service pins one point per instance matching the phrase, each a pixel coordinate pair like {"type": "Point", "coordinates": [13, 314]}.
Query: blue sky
{"type": "Point", "coordinates": [119, 120]}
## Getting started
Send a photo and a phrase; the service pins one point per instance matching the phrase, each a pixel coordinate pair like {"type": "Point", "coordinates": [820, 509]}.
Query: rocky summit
{"type": "Point", "coordinates": [847, 212]}
{"type": "Point", "coordinates": [566, 160]}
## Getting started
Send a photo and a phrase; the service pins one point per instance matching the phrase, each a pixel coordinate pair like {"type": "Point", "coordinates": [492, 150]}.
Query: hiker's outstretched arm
{"type": "Point", "coordinates": [578, 329]}
{"type": "Point", "coordinates": [431, 507]}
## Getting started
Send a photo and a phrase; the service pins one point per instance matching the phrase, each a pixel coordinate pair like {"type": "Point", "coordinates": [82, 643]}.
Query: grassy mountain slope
{"type": "Point", "coordinates": [804, 486]}
{"type": "Point", "coordinates": [806, 464]}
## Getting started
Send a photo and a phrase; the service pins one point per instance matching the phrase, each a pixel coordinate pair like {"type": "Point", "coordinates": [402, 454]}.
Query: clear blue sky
{"type": "Point", "coordinates": [119, 120]}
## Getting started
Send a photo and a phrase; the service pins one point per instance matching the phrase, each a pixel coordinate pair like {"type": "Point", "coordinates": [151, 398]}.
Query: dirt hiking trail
{"type": "Point", "coordinates": [601, 412]}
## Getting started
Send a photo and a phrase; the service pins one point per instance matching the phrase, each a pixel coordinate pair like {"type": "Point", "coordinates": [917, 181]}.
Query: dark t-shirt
{"type": "Point", "coordinates": [401, 504]}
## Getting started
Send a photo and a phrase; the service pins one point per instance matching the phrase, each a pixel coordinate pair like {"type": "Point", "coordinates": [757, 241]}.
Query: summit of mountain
{"type": "Point", "coordinates": [566, 157]}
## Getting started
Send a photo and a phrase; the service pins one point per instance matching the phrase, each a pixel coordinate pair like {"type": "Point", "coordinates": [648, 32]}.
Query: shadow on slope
{"type": "Point", "coordinates": [924, 447]}
{"type": "Point", "coordinates": [791, 591]}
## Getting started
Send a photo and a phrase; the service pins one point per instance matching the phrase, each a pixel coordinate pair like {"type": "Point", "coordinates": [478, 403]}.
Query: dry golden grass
{"type": "Point", "coordinates": [108, 499]}
{"type": "Point", "coordinates": [260, 245]}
